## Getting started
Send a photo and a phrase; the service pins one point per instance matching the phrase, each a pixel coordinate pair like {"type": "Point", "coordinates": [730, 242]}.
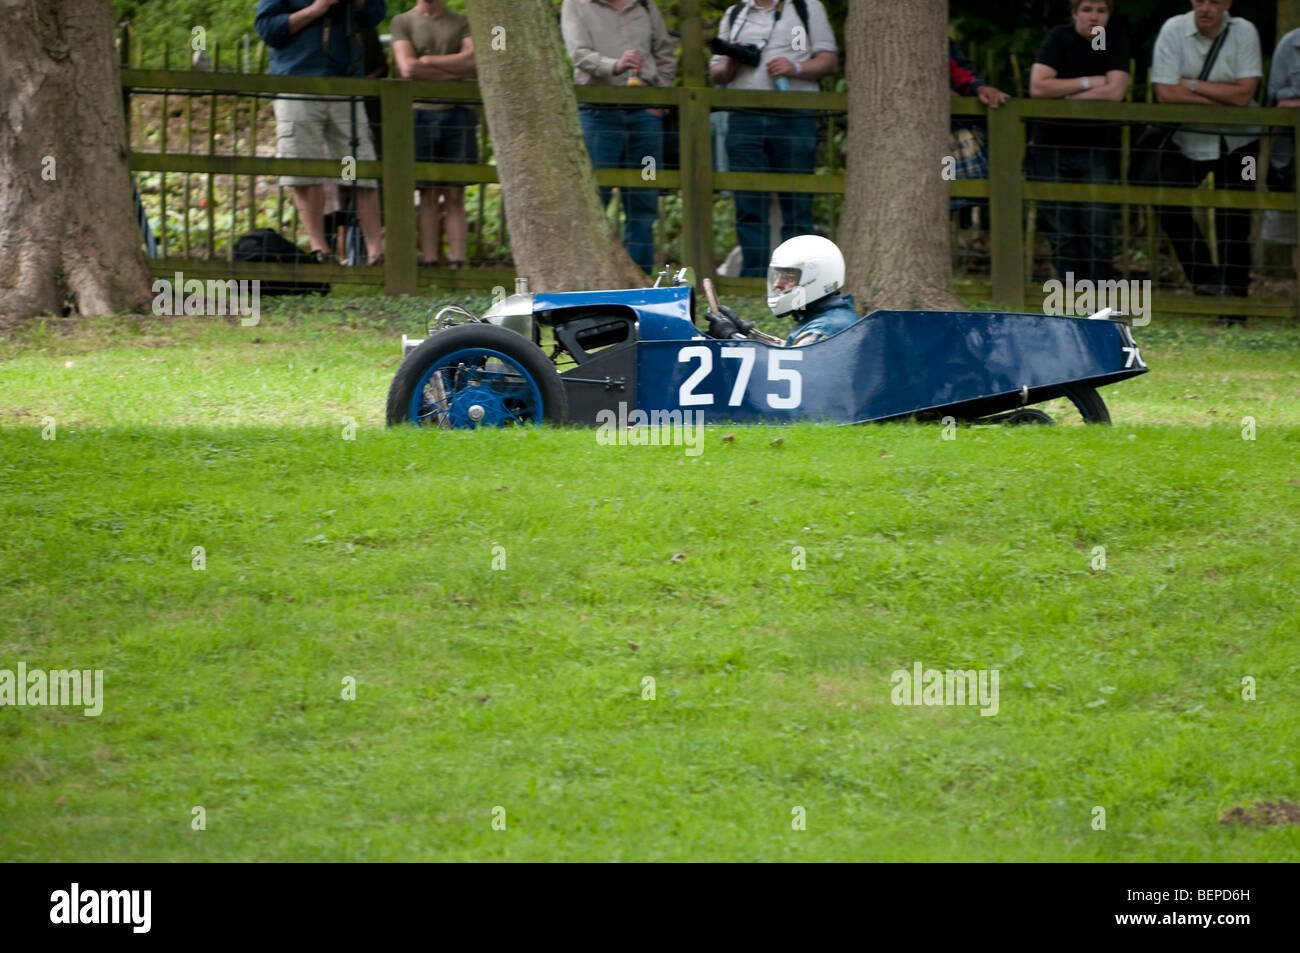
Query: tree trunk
{"type": "Point", "coordinates": [68, 231]}
{"type": "Point", "coordinates": [894, 229]}
{"type": "Point", "coordinates": [559, 235]}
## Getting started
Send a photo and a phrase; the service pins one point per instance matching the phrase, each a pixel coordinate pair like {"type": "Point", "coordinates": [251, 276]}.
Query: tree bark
{"type": "Point", "coordinates": [67, 221]}
{"type": "Point", "coordinates": [894, 229]}
{"type": "Point", "coordinates": [559, 234]}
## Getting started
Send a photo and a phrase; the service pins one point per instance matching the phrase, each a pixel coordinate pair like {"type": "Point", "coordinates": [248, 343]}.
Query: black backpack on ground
{"type": "Point", "coordinates": [266, 244]}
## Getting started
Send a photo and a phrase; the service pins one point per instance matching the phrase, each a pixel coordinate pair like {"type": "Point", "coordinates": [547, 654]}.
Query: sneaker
{"type": "Point", "coordinates": [322, 257]}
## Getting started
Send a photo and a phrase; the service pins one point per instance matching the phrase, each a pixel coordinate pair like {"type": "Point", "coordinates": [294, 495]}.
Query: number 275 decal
{"type": "Point", "coordinates": [786, 394]}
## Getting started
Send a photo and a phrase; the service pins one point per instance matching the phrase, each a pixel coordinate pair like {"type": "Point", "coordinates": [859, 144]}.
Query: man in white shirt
{"type": "Point", "coordinates": [796, 48]}
{"type": "Point", "coordinates": [1231, 152]}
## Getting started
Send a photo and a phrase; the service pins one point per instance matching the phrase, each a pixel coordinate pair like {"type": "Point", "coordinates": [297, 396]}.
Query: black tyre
{"type": "Point", "coordinates": [476, 375]}
{"type": "Point", "coordinates": [1087, 401]}
{"type": "Point", "coordinates": [1028, 415]}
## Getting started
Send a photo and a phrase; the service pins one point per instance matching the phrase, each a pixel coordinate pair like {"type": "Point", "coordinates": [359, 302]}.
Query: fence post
{"type": "Point", "coordinates": [695, 145]}
{"type": "Point", "coordinates": [1006, 199]}
{"type": "Point", "coordinates": [1295, 161]}
{"type": "Point", "coordinates": [397, 105]}
{"type": "Point", "coordinates": [692, 29]}
{"type": "Point", "coordinates": [697, 181]}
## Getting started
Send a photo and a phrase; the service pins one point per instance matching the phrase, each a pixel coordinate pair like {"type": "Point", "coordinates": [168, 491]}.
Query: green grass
{"type": "Point", "coordinates": [372, 558]}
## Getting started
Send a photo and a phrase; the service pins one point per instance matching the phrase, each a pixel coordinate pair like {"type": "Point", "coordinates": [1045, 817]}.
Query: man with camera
{"type": "Point", "coordinates": [320, 38]}
{"type": "Point", "coordinates": [622, 43]}
{"type": "Point", "coordinates": [785, 45]}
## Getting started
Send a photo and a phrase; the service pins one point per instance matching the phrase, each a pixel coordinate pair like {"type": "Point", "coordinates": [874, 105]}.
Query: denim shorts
{"type": "Point", "coordinates": [446, 135]}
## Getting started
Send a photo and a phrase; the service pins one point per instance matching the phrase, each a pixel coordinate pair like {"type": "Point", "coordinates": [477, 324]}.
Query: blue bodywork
{"type": "Point", "coordinates": [889, 364]}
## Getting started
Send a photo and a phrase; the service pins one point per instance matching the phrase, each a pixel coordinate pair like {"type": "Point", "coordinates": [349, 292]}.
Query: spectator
{"type": "Point", "coordinates": [620, 43]}
{"type": "Point", "coordinates": [1284, 91]}
{"type": "Point", "coordinates": [310, 41]}
{"type": "Point", "coordinates": [964, 81]}
{"type": "Point", "coordinates": [1227, 151]}
{"type": "Point", "coordinates": [796, 49]}
{"type": "Point", "coordinates": [431, 42]}
{"type": "Point", "coordinates": [1085, 59]}
{"type": "Point", "coordinates": [968, 142]}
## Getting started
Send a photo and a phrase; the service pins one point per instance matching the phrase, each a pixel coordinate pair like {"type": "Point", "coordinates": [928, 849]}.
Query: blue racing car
{"type": "Point", "coordinates": [640, 348]}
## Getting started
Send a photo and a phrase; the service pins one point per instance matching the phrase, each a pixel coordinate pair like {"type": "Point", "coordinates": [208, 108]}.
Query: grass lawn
{"type": "Point", "coordinates": [501, 598]}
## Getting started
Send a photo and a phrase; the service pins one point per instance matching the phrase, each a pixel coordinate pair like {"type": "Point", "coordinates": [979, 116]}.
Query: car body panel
{"type": "Point", "coordinates": [889, 364]}
{"type": "Point", "coordinates": [641, 349]}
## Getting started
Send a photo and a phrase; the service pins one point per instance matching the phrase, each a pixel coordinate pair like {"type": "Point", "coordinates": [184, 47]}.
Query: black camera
{"type": "Point", "coordinates": [746, 54]}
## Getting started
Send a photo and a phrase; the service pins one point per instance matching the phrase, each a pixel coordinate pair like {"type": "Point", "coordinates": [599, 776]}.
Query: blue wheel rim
{"type": "Point", "coordinates": [464, 390]}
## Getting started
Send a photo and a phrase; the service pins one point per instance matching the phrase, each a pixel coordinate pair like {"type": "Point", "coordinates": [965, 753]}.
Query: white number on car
{"type": "Point", "coordinates": [777, 373]}
{"type": "Point", "coordinates": [746, 358]}
{"type": "Point", "coordinates": [1134, 355]}
{"type": "Point", "coordinates": [687, 396]}
{"type": "Point", "coordinates": [787, 395]}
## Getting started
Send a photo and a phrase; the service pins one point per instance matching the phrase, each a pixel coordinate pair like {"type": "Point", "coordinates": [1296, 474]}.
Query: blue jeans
{"type": "Point", "coordinates": [622, 139]}
{"type": "Point", "coordinates": [770, 143]}
{"type": "Point", "coordinates": [1079, 232]}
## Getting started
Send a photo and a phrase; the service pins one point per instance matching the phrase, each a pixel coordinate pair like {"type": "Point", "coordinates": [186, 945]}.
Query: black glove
{"type": "Point", "coordinates": [725, 323]}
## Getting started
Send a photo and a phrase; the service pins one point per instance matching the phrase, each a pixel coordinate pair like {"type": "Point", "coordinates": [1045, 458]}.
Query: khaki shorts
{"type": "Point", "coordinates": [320, 129]}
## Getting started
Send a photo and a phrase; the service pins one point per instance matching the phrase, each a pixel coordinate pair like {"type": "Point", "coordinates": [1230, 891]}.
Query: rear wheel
{"type": "Point", "coordinates": [476, 375]}
{"type": "Point", "coordinates": [1085, 399]}
{"type": "Point", "coordinates": [1025, 415]}
{"type": "Point", "coordinates": [1087, 402]}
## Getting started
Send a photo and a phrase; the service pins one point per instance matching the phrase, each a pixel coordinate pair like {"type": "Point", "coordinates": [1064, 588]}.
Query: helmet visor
{"type": "Point", "coordinates": [781, 280]}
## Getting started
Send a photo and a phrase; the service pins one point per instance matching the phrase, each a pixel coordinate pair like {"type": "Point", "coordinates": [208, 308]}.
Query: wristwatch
{"type": "Point", "coordinates": [1085, 83]}
{"type": "Point", "coordinates": [1191, 86]}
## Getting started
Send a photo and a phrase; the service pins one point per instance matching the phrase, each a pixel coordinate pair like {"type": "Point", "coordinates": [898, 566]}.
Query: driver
{"type": "Point", "coordinates": [803, 281]}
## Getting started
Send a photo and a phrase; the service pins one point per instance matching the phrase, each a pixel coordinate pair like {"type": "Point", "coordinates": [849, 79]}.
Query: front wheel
{"type": "Point", "coordinates": [476, 375]}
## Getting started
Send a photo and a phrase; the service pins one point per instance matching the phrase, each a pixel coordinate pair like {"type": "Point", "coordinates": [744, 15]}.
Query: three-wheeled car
{"type": "Point", "coordinates": [641, 348]}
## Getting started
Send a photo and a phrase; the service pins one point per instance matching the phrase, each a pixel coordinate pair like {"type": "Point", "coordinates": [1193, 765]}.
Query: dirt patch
{"type": "Point", "coordinates": [1264, 814]}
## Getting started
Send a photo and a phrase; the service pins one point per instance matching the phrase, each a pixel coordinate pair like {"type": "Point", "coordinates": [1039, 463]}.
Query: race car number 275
{"type": "Point", "coordinates": [783, 388]}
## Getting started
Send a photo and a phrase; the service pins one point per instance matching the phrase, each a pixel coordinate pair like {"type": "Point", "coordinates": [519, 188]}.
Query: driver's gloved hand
{"type": "Point", "coordinates": [725, 323]}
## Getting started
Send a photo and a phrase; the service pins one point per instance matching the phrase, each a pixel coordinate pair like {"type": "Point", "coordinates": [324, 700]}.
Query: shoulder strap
{"type": "Point", "coordinates": [800, 7]}
{"type": "Point", "coordinates": [1211, 56]}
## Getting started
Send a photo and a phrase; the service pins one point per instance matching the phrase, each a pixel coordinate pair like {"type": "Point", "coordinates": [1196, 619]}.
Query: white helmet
{"type": "Point", "coordinates": [803, 270]}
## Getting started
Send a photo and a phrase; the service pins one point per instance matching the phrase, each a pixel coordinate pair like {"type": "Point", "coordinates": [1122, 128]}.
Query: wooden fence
{"type": "Point", "coordinates": [1006, 189]}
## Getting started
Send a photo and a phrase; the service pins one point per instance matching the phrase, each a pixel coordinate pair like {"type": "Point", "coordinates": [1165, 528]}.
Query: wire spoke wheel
{"type": "Point", "coordinates": [475, 387]}
{"type": "Point", "coordinates": [476, 375]}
